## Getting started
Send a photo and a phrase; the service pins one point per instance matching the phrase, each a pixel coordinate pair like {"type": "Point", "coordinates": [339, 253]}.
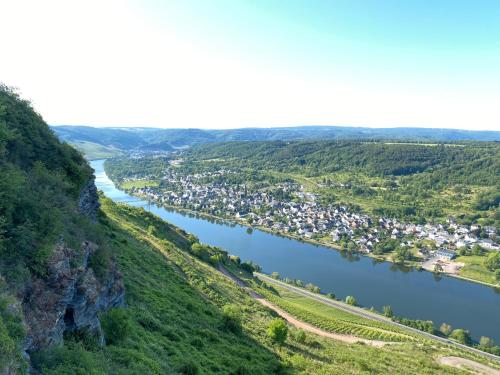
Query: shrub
{"type": "Point", "coordinates": [350, 300]}
{"type": "Point", "coordinates": [99, 262]}
{"type": "Point", "coordinates": [299, 336]}
{"type": "Point", "coordinates": [116, 325]}
{"type": "Point", "coordinates": [445, 329]}
{"type": "Point", "coordinates": [462, 336]}
{"type": "Point", "coordinates": [278, 331]}
{"type": "Point", "coordinates": [387, 310]}
{"type": "Point", "coordinates": [189, 368]}
{"type": "Point", "coordinates": [231, 318]}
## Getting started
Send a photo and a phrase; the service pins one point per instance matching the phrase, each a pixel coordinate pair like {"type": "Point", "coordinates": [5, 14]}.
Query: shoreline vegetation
{"type": "Point", "coordinates": [413, 265]}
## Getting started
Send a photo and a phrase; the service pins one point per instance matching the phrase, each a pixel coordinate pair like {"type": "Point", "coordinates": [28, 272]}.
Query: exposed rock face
{"type": "Point", "coordinates": [69, 298]}
{"type": "Point", "coordinates": [88, 202]}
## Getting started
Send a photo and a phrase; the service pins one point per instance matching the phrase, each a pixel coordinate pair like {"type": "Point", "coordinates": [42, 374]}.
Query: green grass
{"type": "Point", "coordinates": [174, 306]}
{"type": "Point", "coordinates": [138, 184]}
{"type": "Point", "coordinates": [93, 151]}
{"type": "Point", "coordinates": [474, 269]}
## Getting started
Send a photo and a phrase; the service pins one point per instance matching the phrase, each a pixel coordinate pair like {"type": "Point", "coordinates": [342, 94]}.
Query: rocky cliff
{"type": "Point", "coordinates": [70, 297]}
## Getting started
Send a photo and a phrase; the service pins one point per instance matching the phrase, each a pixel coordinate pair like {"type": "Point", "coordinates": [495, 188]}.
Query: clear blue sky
{"type": "Point", "coordinates": [228, 63]}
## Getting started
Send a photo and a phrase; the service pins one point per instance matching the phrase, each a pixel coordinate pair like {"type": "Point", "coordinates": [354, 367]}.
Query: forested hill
{"type": "Point", "coordinates": [98, 142]}
{"type": "Point", "coordinates": [416, 181]}
{"type": "Point", "coordinates": [469, 162]}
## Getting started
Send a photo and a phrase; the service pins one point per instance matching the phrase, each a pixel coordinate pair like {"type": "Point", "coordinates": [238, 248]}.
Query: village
{"type": "Point", "coordinates": [287, 209]}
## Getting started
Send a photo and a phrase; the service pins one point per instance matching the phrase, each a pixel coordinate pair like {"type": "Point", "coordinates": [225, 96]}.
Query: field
{"type": "Point", "coordinates": [93, 151]}
{"type": "Point", "coordinates": [138, 184]}
{"type": "Point", "coordinates": [474, 269]}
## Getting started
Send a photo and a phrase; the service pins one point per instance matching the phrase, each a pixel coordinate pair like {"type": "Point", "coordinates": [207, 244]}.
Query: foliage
{"type": "Point", "coordinates": [492, 262]}
{"type": "Point", "coordinates": [350, 300]}
{"type": "Point", "coordinates": [116, 325]}
{"type": "Point", "coordinates": [231, 318]}
{"type": "Point", "coordinates": [41, 179]}
{"type": "Point", "coordinates": [278, 331]}
{"type": "Point", "coordinates": [445, 329]}
{"type": "Point", "coordinates": [462, 336]}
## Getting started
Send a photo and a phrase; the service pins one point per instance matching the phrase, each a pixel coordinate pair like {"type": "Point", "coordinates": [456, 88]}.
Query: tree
{"type": "Point", "coordinates": [278, 331]}
{"type": "Point", "coordinates": [486, 342]}
{"type": "Point", "coordinates": [462, 336]}
{"type": "Point", "coordinates": [387, 310]}
{"type": "Point", "coordinates": [445, 329]}
{"type": "Point", "coordinates": [275, 275]}
{"type": "Point", "coordinates": [231, 318]}
{"type": "Point", "coordinates": [350, 300]}
{"type": "Point", "coordinates": [438, 268]}
{"type": "Point", "coordinates": [331, 295]}
{"type": "Point", "coordinates": [313, 288]}
{"type": "Point", "coordinates": [492, 262]}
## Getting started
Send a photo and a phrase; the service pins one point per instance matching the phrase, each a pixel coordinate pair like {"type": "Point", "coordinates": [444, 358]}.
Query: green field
{"type": "Point", "coordinates": [93, 151]}
{"type": "Point", "coordinates": [475, 269]}
{"type": "Point", "coordinates": [138, 184]}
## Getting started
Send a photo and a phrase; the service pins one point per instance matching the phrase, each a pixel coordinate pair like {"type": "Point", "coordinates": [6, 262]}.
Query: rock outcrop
{"type": "Point", "coordinates": [69, 298]}
{"type": "Point", "coordinates": [88, 201]}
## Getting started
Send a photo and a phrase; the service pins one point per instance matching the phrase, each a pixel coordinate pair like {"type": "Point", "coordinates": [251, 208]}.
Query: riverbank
{"type": "Point", "coordinates": [418, 266]}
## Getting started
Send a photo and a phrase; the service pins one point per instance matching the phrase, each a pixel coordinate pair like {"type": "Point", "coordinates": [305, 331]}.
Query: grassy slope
{"type": "Point", "coordinates": [174, 305]}
{"type": "Point", "coordinates": [93, 151]}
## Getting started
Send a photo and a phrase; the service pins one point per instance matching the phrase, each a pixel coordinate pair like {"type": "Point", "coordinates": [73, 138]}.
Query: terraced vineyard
{"type": "Point", "coordinates": [332, 319]}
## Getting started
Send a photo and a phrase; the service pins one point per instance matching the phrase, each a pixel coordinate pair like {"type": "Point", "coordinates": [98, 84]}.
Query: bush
{"type": "Point", "coordinates": [387, 310]}
{"type": "Point", "coordinates": [116, 325]}
{"type": "Point", "coordinates": [445, 329]}
{"type": "Point", "coordinates": [350, 300]}
{"type": "Point", "coordinates": [462, 336]}
{"type": "Point", "coordinates": [189, 368]}
{"type": "Point", "coordinates": [278, 331]}
{"type": "Point", "coordinates": [299, 336]}
{"type": "Point", "coordinates": [231, 318]}
{"type": "Point", "coordinates": [99, 262]}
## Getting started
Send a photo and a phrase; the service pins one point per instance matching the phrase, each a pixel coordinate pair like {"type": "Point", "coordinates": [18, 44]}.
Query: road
{"type": "Point", "coordinates": [369, 315]}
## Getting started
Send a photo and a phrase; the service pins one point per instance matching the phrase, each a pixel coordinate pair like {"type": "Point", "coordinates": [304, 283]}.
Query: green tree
{"type": "Point", "coordinates": [275, 275]}
{"type": "Point", "coordinates": [486, 342]}
{"type": "Point", "coordinates": [492, 262]}
{"type": "Point", "coordinates": [462, 336]}
{"type": "Point", "coordinates": [350, 300]}
{"type": "Point", "coordinates": [278, 331]}
{"type": "Point", "coordinates": [387, 310]}
{"type": "Point", "coordinates": [445, 329]}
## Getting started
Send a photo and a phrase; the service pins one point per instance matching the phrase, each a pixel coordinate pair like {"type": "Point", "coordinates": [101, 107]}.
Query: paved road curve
{"type": "Point", "coordinates": [368, 314]}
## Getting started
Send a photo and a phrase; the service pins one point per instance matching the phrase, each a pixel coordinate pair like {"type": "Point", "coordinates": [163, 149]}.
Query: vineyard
{"type": "Point", "coordinates": [332, 319]}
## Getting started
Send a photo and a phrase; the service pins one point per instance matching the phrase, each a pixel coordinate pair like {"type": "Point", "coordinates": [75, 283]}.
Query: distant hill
{"type": "Point", "coordinates": [116, 138]}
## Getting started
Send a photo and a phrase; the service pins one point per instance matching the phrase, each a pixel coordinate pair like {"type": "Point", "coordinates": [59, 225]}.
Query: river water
{"type": "Point", "coordinates": [410, 293]}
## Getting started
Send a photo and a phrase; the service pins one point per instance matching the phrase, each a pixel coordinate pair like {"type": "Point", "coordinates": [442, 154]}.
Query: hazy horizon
{"type": "Point", "coordinates": [236, 64]}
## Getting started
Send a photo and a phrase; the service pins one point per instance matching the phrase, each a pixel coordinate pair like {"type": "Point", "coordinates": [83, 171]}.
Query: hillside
{"type": "Point", "coordinates": [157, 139]}
{"type": "Point", "coordinates": [56, 274]}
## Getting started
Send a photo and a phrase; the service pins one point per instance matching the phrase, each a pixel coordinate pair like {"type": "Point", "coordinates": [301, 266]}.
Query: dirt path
{"type": "Point", "coordinates": [297, 323]}
{"type": "Point", "coordinates": [467, 364]}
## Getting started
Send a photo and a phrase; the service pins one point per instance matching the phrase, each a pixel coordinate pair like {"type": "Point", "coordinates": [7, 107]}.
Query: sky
{"type": "Point", "coordinates": [258, 63]}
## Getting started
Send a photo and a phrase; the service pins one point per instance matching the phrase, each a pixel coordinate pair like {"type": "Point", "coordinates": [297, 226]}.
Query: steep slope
{"type": "Point", "coordinates": [176, 322]}
{"type": "Point", "coordinates": [55, 273]}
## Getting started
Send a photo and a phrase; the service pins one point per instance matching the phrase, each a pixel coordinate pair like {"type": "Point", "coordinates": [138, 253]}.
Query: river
{"type": "Point", "coordinates": [410, 293]}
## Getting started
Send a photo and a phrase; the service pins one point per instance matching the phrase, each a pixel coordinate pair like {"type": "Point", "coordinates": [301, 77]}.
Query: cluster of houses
{"type": "Point", "coordinates": [286, 209]}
